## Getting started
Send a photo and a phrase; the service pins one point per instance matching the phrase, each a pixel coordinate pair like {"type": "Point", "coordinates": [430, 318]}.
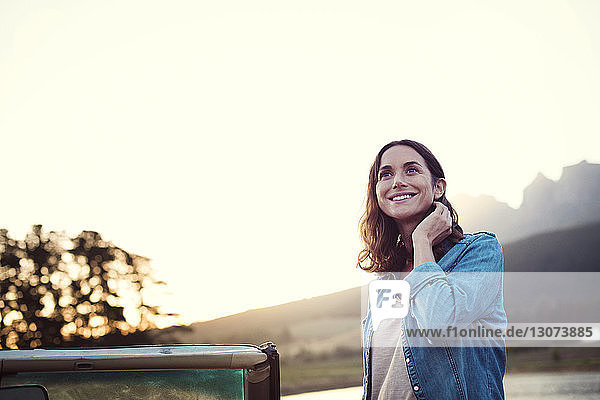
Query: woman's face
{"type": "Point", "coordinates": [404, 188]}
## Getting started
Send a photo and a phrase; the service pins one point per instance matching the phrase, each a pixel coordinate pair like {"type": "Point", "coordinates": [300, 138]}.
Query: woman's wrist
{"type": "Point", "coordinates": [420, 240]}
{"type": "Point", "coordinates": [422, 250]}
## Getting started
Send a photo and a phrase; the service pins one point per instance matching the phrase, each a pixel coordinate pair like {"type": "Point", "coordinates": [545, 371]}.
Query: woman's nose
{"type": "Point", "coordinates": [398, 182]}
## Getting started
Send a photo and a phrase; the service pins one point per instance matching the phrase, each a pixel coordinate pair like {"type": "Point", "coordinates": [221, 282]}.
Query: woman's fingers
{"type": "Point", "coordinates": [444, 211]}
{"type": "Point", "coordinates": [446, 219]}
{"type": "Point", "coordinates": [436, 226]}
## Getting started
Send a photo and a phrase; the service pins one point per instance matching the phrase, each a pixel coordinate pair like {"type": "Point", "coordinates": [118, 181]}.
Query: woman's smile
{"type": "Point", "coordinates": [401, 197]}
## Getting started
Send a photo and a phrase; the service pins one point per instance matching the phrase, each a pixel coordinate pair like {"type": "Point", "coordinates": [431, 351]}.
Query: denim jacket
{"type": "Point", "coordinates": [442, 296]}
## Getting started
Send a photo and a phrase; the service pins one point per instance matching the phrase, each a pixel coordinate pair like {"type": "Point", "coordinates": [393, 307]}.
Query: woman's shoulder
{"type": "Point", "coordinates": [479, 251]}
{"type": "Point", "coordinates": [480, 235]}
{"type": "Point", "coordinates": [482, 239]}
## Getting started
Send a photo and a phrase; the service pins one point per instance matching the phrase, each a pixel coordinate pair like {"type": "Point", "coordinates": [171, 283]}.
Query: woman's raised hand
{"type": "Point", "coordinates": [436, 227]}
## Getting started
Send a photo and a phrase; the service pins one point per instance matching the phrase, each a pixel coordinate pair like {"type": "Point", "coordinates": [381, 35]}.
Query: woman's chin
{"type": "Point", "coordinates": [407, 215]}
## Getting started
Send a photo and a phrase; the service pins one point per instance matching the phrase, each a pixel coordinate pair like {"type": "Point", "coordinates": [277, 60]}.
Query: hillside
{"type": "Point", "coordinates": [328, 320]}
{"type": "Point", "coordinates": [565, 250]}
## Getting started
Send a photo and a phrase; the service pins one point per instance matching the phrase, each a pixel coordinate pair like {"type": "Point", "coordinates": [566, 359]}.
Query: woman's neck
{"type": "Point", "coordinates": [406, 229]}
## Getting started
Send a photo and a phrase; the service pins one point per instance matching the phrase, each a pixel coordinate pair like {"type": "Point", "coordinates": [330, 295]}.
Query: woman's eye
{"type": "Point", "coordinates": [411, 169]}
{"type": "Point", "coordinates": [384, 174]}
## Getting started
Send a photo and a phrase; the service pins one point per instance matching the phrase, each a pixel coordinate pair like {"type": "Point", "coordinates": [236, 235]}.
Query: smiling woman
{"type": "Point", "coordinates": [410, 231]}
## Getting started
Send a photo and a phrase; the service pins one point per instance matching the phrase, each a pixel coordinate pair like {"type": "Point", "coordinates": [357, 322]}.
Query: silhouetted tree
{"type": "Point", "coordinates": [54, 288]}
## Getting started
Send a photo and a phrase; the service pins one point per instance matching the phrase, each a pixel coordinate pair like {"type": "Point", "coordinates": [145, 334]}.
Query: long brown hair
{"type": "Point", "coordinates": [379, 232]}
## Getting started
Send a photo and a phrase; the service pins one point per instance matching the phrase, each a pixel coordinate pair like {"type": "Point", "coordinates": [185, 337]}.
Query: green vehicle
{"type": "Point", "coordinates": [180, 372]}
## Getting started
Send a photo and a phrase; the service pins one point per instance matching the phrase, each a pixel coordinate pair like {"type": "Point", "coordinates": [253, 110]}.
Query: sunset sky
{"type": "Point", "coordinates": [230, 141]}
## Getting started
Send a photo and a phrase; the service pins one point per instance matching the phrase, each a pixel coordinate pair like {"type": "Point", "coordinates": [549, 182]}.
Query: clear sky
{"type": "Point", "coordinates": [230, 141]}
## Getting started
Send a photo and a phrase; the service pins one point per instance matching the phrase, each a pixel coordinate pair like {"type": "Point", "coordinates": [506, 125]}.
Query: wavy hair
{"type": "Point", "coordinates": [379, 232]}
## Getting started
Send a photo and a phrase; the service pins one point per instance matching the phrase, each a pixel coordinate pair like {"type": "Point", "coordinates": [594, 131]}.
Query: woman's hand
{"type": "Point", "coordinates": [436, 227]}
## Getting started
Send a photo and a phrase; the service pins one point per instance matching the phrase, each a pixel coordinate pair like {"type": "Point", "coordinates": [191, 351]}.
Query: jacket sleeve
{"type": "Point", "coordinates": [469, 292]}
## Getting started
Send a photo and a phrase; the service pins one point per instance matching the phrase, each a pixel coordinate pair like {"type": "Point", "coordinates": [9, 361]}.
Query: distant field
{"type": "Point", "coordinates": [340, 372]}
{"type": "Point", "coordinates": [321, 375]}
{"type": "Point", "coordinates": [553, 359]}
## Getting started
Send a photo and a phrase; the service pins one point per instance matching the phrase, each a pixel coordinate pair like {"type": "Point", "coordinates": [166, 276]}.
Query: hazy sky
{"type": "Point", "coordinates": [230, 141]}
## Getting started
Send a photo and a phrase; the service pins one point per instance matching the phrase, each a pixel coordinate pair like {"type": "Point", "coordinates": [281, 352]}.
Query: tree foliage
{"type": "Point", "coordinates": [54, 289]}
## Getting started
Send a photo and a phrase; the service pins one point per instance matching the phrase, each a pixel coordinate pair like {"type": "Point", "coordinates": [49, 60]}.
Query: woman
{"type": "Point", "coordinates": [410, 228]}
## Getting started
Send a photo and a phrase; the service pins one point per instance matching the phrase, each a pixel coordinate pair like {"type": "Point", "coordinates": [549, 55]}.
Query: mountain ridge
{"type": "Point", "coordinates": [548, 205]}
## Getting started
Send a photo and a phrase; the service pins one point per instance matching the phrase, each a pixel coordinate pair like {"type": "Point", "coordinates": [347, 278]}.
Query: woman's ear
{"type": "Point", "coordinates": [439, 189]}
